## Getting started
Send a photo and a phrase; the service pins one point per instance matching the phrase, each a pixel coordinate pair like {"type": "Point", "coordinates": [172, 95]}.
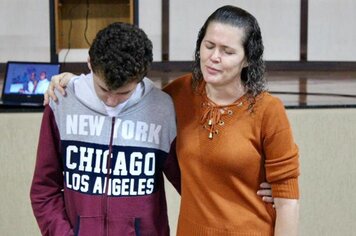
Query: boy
{"type": "Point", "coordinates": [103, 148]}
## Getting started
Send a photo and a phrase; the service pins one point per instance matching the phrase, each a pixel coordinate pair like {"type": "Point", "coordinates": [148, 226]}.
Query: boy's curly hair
{"type": "Point", "coordinates": [120, 53]}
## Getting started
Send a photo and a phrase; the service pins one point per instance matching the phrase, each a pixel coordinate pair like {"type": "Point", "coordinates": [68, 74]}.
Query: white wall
{"type": "Point", "coordinates": [18, 145]}
{"type": "Point", "coordinates": [25, 35]}
{"type": "Point", "coordinates": [24, 30]}
{"type": "Point", "coordinates": [280, 28]}
{"type": "Point", "coordinates": [150, 20]}
{"type": "Point", "coordinates": [327, 144]}
{"type": "Point", "coordinates": [332, 31]}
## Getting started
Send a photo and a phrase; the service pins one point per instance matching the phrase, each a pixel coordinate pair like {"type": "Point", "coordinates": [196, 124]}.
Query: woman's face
{"type": "Point", "coordinates": [222, 56]}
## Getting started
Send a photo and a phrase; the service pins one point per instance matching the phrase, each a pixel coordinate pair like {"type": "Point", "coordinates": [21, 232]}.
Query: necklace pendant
{"type": "Point", "coordinates": [210, 122]}
{"type": "Point", "coordinates": [211, 135]}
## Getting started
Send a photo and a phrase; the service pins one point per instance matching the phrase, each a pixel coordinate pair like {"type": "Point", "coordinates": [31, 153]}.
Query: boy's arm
{"type": "Point", "coordinates": [47, 185]}
{"type": "Point", "coordinates": [171, 167]}
{"type": "Point", "coordinates": [172, 171]}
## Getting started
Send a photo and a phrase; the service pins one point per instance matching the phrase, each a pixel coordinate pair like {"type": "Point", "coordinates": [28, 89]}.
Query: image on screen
{"type": "Point", "coordinates": [29, 78]}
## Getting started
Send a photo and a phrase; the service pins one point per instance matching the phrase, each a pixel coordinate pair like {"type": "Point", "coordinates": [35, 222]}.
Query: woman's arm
{"type": "Point", "coordinates": [58, 82]}
{"type": "Point", "coordinates": [287, 211]}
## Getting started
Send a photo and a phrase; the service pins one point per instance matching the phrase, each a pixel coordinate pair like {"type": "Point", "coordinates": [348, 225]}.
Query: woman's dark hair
{"type": "Point", "coordinates": [252, 76]}
{"type": "Point", "coordinates": [120, 53]}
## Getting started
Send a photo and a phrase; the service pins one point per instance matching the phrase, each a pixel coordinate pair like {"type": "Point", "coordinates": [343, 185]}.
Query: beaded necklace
{"type": "Point", "coordinates": [212, 113]}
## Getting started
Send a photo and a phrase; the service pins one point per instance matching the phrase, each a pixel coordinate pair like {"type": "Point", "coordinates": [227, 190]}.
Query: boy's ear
{"type": "Point", "coordinates": [88, 63]}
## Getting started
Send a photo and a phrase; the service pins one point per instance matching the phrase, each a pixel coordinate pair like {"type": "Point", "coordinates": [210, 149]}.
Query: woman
{"type": "Point", "coordinates": [233, 135]}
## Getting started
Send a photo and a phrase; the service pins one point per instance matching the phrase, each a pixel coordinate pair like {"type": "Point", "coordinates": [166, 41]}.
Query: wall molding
{"type": "Point", "coordinates": [270, 66]}
{"type": "Point", "coordinates": [185, 66]}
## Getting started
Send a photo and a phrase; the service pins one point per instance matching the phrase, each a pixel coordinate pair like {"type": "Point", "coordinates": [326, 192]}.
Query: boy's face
{"type": "Point", "coordinates": [112, 98]}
